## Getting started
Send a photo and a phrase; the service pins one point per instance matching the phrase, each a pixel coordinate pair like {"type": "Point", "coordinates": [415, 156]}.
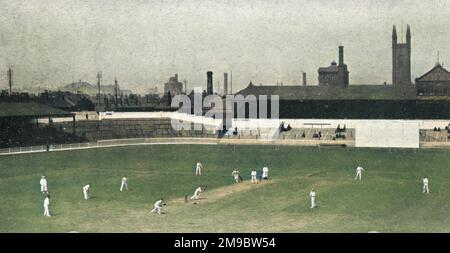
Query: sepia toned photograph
{"type": "Point", "coordinates": [202, 116]}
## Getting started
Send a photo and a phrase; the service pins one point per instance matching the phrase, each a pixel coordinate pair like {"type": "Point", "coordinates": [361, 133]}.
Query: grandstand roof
{"type": "Point", "coordinates": [314, 92]}
{"type": "Point", "coordinates": [31, 110]}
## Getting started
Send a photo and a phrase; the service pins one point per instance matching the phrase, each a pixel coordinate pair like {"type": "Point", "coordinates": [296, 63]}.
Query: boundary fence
{"type": "Point", "coordinates": [197, 141]}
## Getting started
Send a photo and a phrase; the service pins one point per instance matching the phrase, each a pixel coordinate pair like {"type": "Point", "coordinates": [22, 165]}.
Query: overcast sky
{"type": "Point", "coordinates": [142, 43]}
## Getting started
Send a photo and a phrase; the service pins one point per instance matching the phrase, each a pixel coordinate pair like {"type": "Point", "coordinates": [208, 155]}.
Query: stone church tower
{"type": "Point", "coordinates": [401, 59]}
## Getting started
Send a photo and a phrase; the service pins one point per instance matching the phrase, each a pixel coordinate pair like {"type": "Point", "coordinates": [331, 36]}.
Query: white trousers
{"type": "Point", "coordinates": [313, 202]}
{"type": "Point", "coordinates": [198, 171]}
{"type": "Point", "coordinates": [236, 178]}
{"type": "Point", "coordinates": [123, 185]}
{"type": "Point", "coordinates": [43, 188]}
{"type": "Point", "coordinates": [46, 211]}
{"type": "Point", "coordinates": [195, 196]}
{"type": "Point", "coordinates": [157, 209]}
{"type": "Point", "coordinates": [254, 181]}
{"type": "Point", "coordinates": [425, 188]}
{"type": "Point", "coordinates": [358, 175]}
{"type": "Point", "coordinates": [86, 195]}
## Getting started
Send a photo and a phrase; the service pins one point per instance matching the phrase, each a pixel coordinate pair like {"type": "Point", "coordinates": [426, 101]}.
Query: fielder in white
{"type": "Point", "coordinates": [265, 172]}
{"type": "Point", "coordinates": [197, 193]}
{"type": "Point", "coordinates": [359, 171]}
{"type": "Point", "coordinates": [43, 183]}
{"type": "Point", "coordinates": [312, 195]}
{"type": "Point", "coordinates": [235, 174]}
{"type": "Point", "coordinates": [86, 190]}
{"type": "Point", "coordinates": [253, 174]}
{"type": "Point", "coordinates": [124, 184]}
{"type": "Point", "coordinates": [425, 185]}
{"type": "Point", "coordinates": [46, 205]}
{"type": "Point", "coordinates": [158, 206]}
{"type": "Point", "coordinates": [198, 169]}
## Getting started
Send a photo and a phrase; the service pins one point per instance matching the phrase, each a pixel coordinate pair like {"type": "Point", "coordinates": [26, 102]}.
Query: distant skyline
{"type": "Point", "coordinates": [49, 43]}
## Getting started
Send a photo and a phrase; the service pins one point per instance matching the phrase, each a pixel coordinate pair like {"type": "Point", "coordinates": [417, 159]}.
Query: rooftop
{"type": "Point", "coordinates": [314, 92]}
{"type": "Point", "coordinates": [333, 68]}
{"type": "Point", "coordinates": [438, 73]}
{"type": "Point", "coordinates": [30, 110]}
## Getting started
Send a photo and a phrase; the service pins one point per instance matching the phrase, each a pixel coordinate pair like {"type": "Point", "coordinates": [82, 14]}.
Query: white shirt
{"type": "Point", "coordinates": [359, 169]}
{"type": "Point", "coordinates": [46, 202]}
{"type": "Point", "coordinates": [235, 173]}
{"type": "Point", "coordinates": [199, 165]}
{"type": "Point", "coordinates": [253, 173]}
{"type": "Point", "coordinates": [158, 203]}
{"type": "Point", "coordinates": [198, 190]}
{"type": "Point", "coordinates": [43, 182]}
{"type": "Point", "coordinates": [312, 194]}
{"type": "Point", "coordinates": [86, 188]}
{"type": "Point", "coordinates": [124, 180]}
{"type": "Point", "coordinates": [265, 171]}
{"type": "Point", "coordinates": [425, 181]}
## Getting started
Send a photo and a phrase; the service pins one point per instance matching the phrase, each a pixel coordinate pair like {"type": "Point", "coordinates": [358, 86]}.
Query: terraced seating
{"type": "Point", "coordinates": [434, 136]}
{"type": "Point", "coordinates": [21, 134]}
{"type": "Point", "coordinates": [131, 128]}
{"type": "Point", "coordinates": [311, 134]}
{"type": "Point", "coordinates": [251, 133]}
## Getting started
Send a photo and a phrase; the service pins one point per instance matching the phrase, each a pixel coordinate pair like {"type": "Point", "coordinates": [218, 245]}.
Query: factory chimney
{"type": "Point", "coordinates": [225, 83]}
{"type": "Point", "coordinates": [341, 55]}
{"type": "Point", "coordinates": [209, 83]}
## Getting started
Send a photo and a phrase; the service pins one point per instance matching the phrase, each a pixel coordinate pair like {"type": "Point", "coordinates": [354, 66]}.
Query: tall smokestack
{"type": "Point", "coordinates": [209, 82]}
{"type": "Point", "coordinates": [341, 55]}
{"type": "Point", "coordinates": [225, 83]}
{"type": "Point", "coordinates": [231, 82]}
{"type": "Point", "coordinates": [304, 78]}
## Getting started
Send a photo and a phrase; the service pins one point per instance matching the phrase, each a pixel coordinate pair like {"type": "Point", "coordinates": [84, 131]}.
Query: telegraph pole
{"type": "Point", "coordinates": [10, 77]}
{"type": "Point", "coordinates": [99, 77]}
{"type": "Point", "coordinates": [116, 90]}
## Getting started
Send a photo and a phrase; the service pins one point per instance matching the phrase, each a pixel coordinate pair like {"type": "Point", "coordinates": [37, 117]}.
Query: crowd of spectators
{"type": "Point", "coordinates": [23, 133]}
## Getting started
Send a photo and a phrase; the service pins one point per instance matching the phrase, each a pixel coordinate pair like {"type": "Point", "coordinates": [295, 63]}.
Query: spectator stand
{"type": "Point", "coordinates": [19, 125]}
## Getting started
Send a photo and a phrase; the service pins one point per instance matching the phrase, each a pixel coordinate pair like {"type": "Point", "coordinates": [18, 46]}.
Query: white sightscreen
{"type": "Point", "coordinates": [387, 133]}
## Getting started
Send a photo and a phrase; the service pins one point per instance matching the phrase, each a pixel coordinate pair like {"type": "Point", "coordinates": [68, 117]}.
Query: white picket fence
{"type": "Point", "coordinates": [109, 143]}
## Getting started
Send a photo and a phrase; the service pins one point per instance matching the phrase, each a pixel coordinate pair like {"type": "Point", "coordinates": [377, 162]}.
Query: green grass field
{"type": "Point", "coordinates": [388, 199]}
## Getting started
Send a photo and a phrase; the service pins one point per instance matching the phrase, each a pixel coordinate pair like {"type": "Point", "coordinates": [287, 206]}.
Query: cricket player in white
{"type": "Point", "coordinates": [46, 205]}
{"type": "Point", "coordinates": [265, 173]}
{"type": "Point", "coordinates": [198, 169]}
{"type": "Point", "coordinates": [43, 183]}
{"type": "Point", "coordinates": [359, 171]}
{"type": "Point", "coordinates": [86, 190]}
{"type": "Point", "coordinates": [253, 174]}
{"type": "Point", "coordinates": [425, 185]}
{"type": "Point", "coordinates": [124, 184]}
{"type": "Point", "coordinates": [235, 174]}
{"type": "Point", "coordinates": [197, 193]}
{"type": "Point", "coordinates": [312, 195]}
{"type": "Point", "coordinates": [158, 206]}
